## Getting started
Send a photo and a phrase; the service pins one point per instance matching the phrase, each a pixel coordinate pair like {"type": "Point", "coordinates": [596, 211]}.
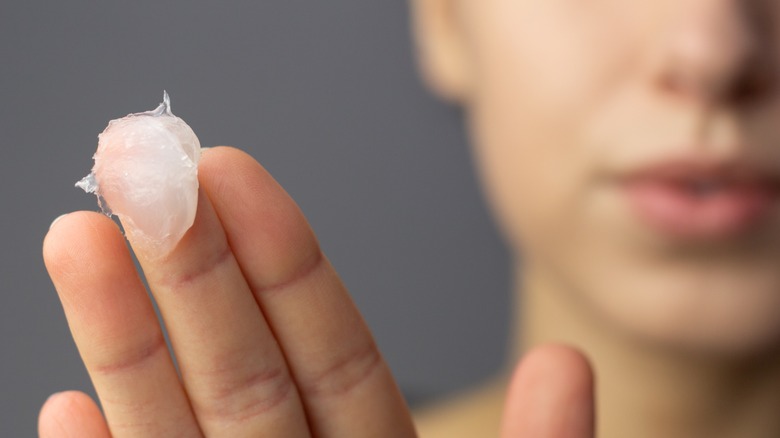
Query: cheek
{"type": "Point", "coordinates": [541, 72]}
{"type": "Point", "coordinates": [530, 182]}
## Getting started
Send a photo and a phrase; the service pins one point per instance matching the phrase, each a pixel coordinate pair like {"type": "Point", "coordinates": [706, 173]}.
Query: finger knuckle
{"type": "Point", "coordinates": [236, 397]}
{"type": "Point", "coordinates": [346, 372]}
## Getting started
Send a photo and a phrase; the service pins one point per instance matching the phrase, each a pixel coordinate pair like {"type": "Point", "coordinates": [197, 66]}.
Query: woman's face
{"type": "Point", "coordinates": [631, 150]}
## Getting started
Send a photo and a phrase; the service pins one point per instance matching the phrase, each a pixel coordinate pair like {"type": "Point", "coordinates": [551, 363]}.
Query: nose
{"type": "Point", "coordinates": [720, 51]}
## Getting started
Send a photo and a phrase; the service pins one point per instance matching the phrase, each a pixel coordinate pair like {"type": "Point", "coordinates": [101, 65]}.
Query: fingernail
{"type": "Point", "coordinates": [56, 394]}
{"type": "Point", "coordinates": [57, 220]}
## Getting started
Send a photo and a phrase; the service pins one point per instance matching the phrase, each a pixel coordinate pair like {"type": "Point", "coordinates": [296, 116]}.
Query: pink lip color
{"type": "Point", "coordinates": [672, 207]}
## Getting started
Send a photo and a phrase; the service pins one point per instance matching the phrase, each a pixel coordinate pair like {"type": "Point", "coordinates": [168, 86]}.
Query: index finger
{"type": "Point", "coordinates": [345, 385]}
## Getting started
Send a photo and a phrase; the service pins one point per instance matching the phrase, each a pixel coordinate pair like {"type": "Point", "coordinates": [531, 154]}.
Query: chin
{"type": "Point", "coordinates": [731, 313]}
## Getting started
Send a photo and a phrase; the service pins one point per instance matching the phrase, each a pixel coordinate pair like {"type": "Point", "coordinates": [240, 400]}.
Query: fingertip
{"type": "Point", "coordinates": [60, 402]}
{"type": "Point", "coordinates": [551, 394]}
{"type": "Point", "coordinates": [57, 219]}
{"type": "Point", "coordinates": [265, 227]}
{"type": "Point", "coordinates": [74, 235]}
{"type": "Point", "coordinates": [86, 256]}
{"type": "Point", "coordinates": [218, 158]}
{"type": "Point", "coordinates": [561, 365]}
{"type": "Point", "coordinates": [225, 165]}
{"type": "Point", "coordinates": [71, 414]}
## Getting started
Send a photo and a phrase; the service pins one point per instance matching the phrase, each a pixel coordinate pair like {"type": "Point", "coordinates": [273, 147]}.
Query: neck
{"type": "Point", "coordinates": [646, 390]}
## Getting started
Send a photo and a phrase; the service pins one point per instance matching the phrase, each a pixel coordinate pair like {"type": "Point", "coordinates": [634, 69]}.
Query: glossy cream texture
{"type": "Point", "coordinates": [146, 173]}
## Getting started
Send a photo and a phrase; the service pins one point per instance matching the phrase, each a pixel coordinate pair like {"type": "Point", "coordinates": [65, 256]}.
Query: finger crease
{"type": "Point", "coordinates": [180, 280]}
{"type": "Point", "coordinates": [300, 274]}
{"type": "Point", "coordinates": [346, 374]}
{"type": "Point", "coordinates": [248, 398]}
{"type": "Point", "coordinates": [136, 358]}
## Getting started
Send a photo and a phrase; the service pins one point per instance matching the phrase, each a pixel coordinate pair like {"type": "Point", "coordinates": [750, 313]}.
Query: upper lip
{"type": "Point", "coordinates": [698, 169]}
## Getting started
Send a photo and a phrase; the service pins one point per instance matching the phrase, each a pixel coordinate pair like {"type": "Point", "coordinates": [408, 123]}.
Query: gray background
{"type": "Point", "coordinates": [325, 95]}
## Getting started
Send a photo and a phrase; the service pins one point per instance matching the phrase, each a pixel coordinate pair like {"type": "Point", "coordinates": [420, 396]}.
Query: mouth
{"type": "Point", "coordinates": [695, 200]}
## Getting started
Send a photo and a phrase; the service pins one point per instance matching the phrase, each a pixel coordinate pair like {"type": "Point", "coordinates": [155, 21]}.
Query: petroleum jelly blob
{"type": "Point", "coordinates": [146, 173]}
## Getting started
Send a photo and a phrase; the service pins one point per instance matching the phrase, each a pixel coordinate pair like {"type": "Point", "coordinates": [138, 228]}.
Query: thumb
{"type": "Point", "coordinates": [71, 414]}
{"type": "Point", "coordinates": [551, 396]}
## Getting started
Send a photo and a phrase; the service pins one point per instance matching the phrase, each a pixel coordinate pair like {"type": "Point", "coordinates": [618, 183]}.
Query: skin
{"type": "Point", "coordinates": [267, 339]}
{"type": "Point", "coordinates": [563, 98]}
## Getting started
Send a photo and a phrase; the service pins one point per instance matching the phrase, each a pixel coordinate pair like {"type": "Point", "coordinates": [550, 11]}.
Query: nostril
{"type": "Point", "coordinates": [719, 52]}
{"type": "Point", "coordinates": [690, 83]}
{"type": "Point", "coordinates": [757, 83]}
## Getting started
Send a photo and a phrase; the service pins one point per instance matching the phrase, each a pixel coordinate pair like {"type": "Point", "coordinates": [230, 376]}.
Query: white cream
{"type": "Point", "coordinates": [146, 173]}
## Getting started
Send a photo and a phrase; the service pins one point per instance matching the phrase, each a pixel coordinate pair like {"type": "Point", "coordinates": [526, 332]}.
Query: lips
{"type": "Point", "coordinates": [695, 200]}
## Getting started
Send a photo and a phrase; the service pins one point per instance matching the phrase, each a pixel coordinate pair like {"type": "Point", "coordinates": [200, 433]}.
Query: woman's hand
{"type": "Point", "coordinates": [266, 337]}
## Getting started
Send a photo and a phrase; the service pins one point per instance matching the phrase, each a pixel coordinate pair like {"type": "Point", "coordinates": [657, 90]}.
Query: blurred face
{"type": "Point", "coordinates": [631, 150]}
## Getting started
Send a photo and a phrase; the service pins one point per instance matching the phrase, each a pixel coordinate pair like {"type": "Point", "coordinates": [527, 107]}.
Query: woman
{"type": "Point", "coordinates": [628, 151]}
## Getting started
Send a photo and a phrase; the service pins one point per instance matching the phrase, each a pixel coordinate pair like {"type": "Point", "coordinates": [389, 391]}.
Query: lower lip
{"type": "Point", "coordinates": [674, 210]}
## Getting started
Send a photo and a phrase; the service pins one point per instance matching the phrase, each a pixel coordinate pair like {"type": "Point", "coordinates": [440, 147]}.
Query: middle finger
{"type": "Point", "coordinates": [232, 367]}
